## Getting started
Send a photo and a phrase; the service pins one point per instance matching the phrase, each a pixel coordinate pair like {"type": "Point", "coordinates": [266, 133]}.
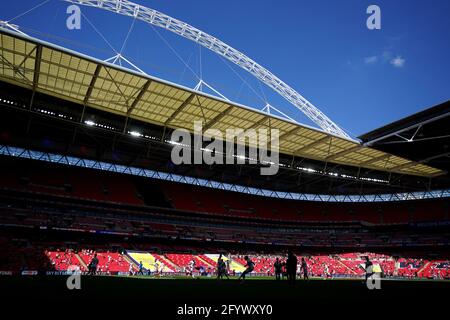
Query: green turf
{"type": "Point", "coordinates": [211, 290]}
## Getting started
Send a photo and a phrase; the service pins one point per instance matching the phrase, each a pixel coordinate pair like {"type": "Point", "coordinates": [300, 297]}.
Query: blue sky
{"type": "Point", "coordinates": [360, 78]}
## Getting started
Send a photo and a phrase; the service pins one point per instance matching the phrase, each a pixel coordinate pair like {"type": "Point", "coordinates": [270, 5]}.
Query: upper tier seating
{"type": "Point", "coordinates": [107, 187]}
{"type": "Point", "coordinates": [234, 204]}
{"type": "Point", "coordinates": [72, 182]}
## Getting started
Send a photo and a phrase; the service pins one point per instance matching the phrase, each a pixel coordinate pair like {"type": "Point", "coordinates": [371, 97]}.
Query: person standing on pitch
{"type": "Point", "coordinates": [291, 266]}
{"type": "Point", "coordinates": [304, 268]}
{"type": "Point", "coordinates": [369, 268]}
{"type": "Point", "coordinates": [141, 269]}
{"type": "Point", "coordinates": [191, 268]}
{"type": "Point", "coordinates": [277, 267]}
{"type": "Point", "coordinates": [156, 265]}
{"type": "Point", "coordinates": [93, 265]}
{"type": "Point", "coordinates": [249, 268]}
{"type": "Point", "coordinates": [221, 268]}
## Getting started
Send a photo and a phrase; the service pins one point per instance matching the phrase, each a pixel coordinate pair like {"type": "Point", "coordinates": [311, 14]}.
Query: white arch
{"type": "Point", "coordinates": [187, 31]}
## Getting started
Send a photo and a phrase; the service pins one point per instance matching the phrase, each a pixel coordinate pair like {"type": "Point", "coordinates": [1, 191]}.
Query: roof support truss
{"type": "Point", "coordinates": [312, 145]}
{"type": "Point", "coordinates": [373, 160]}
{"type": "Point", "coordinates": [217, 118]}
{"type": "Point", "coordinates": [139, 96]}
{"type": "Point", "coordinates": [343, 153]}
{"type": "Point", "coordinates": [37, 70]}
{"type": "Point", "coordinates": [179, 109]}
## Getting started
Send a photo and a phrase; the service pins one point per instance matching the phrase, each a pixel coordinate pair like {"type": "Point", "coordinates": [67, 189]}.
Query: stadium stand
{"type": "Point", "coordinates": [74, 183]}
{"type": "Point", "coordinates": [149, 261]}
{"type": "Point", "coordinates": [246, 206]}
{"type": "Point", "coordinates": [110, 263]}
{"type": "Point", "coordinates": [62, 260]}
{"type": "Point", "coordinates": [175, 223]}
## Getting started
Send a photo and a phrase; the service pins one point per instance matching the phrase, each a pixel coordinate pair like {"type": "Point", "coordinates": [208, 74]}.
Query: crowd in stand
{"type": "Point", "coordinates": [21, 254]}
{"type": "Point", "coordinates": [323, 266]}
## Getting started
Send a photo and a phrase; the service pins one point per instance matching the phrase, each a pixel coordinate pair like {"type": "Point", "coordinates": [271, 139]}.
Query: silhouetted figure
{"type": "Point", "coordinates": [249, 268]}
{"type": "Point", "coordinates": [277, 267]}
{"type": "Point", "coordinates": [304, 268]}
{"type": "Point", "coordinates": [92, 267]}
{"type": "Point", "coordinates": [221, 268]}
{"type": "Point", "coordinates": [369, 268]}
{"type": "Point", "coordinates": [141, 269]}
{"type": "Point", "coordinates": [191, 268]}
{"type": "Point", "coordinates": [291, 267]}
{"type": "Point", "coordinates": [283, 270]}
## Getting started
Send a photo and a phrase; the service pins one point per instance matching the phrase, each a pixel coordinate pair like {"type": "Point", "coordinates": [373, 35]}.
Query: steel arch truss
{"type": "Point", "coordinates": [189, 32]}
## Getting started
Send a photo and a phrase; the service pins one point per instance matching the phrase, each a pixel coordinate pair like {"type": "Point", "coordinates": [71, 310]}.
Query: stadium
{"type": "Point", "coordinates": [89, 186]}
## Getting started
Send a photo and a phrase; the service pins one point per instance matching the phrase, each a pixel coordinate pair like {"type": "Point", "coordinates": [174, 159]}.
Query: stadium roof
{"type": "Point", "coordinates": [53, 70]}
{"type": "Point", "coordinates": [423, 137]}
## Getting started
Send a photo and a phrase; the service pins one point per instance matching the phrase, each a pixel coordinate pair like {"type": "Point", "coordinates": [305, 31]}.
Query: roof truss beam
{"type": "Point", "coordinates": [29, 55]}
{"type": "Point", "coordinates": [139, 96]}
{"type": "Point", "coordinates": [37, 70]}
{"type": "Point", "coordinates": [37, 66]}
{"type": "Point", "coordinates": [373, 160]}
{"type": "Point", "coordinates": [92, 84]}
{"type": "Point", "coordinates": [312, 144]}
{"type": "Point", "coordinates": [289, 133]}
{"type": "Point", "coordinates": [397, 132]}
{"type": "Point", "coordinates": [118, 88]}
{"type": "Point", "coordinates": [217, 118]}
{"type": "Point", "coordinates": [411, 164]}
{"type": "Point", "coordinates": [15, 69]}
{"type": "Point", "coordinates": [343, 153]}
{"type": "Point", "coordinates": [258, 123]}
{"type": "Point", "coordinates": [179, 109]}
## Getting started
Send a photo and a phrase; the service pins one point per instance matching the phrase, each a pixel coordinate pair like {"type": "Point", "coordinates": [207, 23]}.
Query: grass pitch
{"type": "Point", "coordinates": [210, 290]}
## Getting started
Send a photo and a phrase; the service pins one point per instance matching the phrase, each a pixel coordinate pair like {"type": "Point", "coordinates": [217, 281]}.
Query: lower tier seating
{"type": "Point", "coordinates": [16, 259]}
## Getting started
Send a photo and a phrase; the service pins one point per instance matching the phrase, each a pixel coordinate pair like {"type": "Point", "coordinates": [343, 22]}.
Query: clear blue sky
{"type": "Point", "coordinates": [361, 79]}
